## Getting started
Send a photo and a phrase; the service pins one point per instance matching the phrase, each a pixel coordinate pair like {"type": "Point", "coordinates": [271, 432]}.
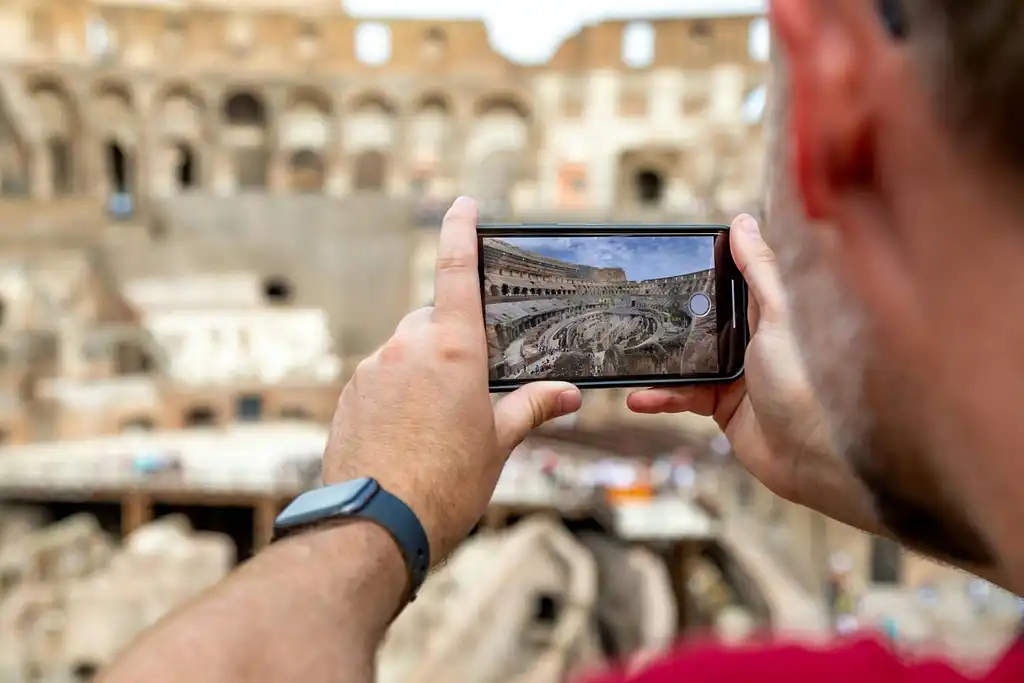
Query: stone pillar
{"type": "Point", "coordinates": [136, 510]}
{"type": "Point", "coordinates": [278, 173]}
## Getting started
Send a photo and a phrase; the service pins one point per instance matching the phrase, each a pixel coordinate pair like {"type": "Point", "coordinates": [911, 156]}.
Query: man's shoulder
{"type": "Point", "coordinates": [848, 662]}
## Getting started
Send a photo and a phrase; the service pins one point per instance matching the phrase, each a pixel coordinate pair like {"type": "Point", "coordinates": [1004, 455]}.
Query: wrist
{"type": "Point", "coordinates": [359, 566]}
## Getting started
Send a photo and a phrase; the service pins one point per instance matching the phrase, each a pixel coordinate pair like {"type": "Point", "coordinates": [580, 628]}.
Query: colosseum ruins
{"type": "Point", "coordinates": [132, 101]}
{"type": "Point", "coordinates": [551, 318]}
{"type": "Point", "coordinates": [210, 174]}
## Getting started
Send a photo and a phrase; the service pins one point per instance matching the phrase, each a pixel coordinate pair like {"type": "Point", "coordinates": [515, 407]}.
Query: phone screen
{"type": "Point", "coordinates": [612, 306]}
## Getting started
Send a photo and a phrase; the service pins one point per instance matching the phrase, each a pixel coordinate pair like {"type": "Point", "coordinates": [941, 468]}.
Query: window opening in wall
{"type": "Point", "coordinates": [277, 290]}
{"type": "Point", "coordinates": [370, 170]}
{"type": "Point", "coordinates": [84, 671]}
{"type": "Point", "coordinates": [200, 416]}
{"type": "Point", "coordinates": [638, 45]}
{"type": "Point", "coordinates": [117, 168]}
{"type": "Point", "coordinates": [296, 413]}
{"type": "Point", "coordinates": [435, 42]}
{"type": "Point", "coordinates": [373, 43]}
{"type": "Point", "coordinates": [249, 408]}
{"type": "Point", "coordinates": [701, 30]}
{"type": "Point", "coordinates": [760, 40]}
{"type": "Point", "coordinates": [60, 166]}
{"type": "Point", "coordinates": [97, 38]}
{"type": "Point", "coordinates": [120, 201]}
{"type": "Point", "coordinates": [650, 187]}
{"type": "Point", "coordinates": [245, 109]}
{"type": "Point", "coordinates": [186, 170]}
{"type": "Point", "coordinates": [307, 171]}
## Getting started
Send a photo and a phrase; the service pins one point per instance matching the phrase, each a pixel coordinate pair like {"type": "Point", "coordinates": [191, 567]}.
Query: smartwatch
{"type": "Point", "coordinates": [362, 498]}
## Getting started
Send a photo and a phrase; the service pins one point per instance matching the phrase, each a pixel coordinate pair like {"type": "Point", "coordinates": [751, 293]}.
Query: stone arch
{"type": "Point", "coordinates": [371, 130]}
{"type": "Point", "coordinates": [200, 416]}
{"type": "Point", "coordinates": [115, 121]}
{"type": "Point", "coordinates": [499, 147]}
{"type": "Point", "coordinates": [245, 118]}
{"type": "Point", "coordinates": [14, 153]}
{"type": "Point", "coordinates": [644, 176]}
{"type": "Point", "coordinates": [180, 109]}
{"type": "Point", "coordinates": [180, 125]}
{"type": "Point", "coordinates": [431, 128]}
{"type": "Point", "coordinates": [306, 130]}
{"type": "Point", "coordinates": [505, 101]}
{"type": "Point", "coordinates": [185, 166]}
{"type": "Point", "coordinates": [306, 170]}
{"type": "Point", "coordinates": [371, 167]}
{"type": "Point", "coordinates": [373, 100]}
{"type": "Point", "coordinates": [244, 108]}
{"type": "Point", "coordinates": [58, 116]}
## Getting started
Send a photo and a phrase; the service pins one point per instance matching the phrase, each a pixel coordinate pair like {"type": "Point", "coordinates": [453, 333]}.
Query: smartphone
{"type": "Point", "coordinates": [611, 305]}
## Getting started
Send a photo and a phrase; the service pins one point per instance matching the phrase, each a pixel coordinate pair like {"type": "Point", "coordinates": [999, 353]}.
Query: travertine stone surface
{"type": "Point", "coordinates": [73, 600]}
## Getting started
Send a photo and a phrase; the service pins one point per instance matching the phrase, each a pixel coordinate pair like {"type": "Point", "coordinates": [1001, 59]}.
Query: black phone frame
{"type": "Point", "coordinates": [733, 329]}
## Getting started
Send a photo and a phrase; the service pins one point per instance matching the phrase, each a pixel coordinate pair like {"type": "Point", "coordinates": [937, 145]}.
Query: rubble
{"type": "Point", "coordinates": [529, 604]}
{"type": "Point", "coordinates": [72, 599]}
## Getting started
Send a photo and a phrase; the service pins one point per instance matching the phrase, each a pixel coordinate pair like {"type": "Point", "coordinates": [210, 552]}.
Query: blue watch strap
{"type": "Point", "coordinates": [404, 526]}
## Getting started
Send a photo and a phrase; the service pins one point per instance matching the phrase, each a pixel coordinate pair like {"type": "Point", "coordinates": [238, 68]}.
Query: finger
{"type": "Point", "coordinates": [699, 400]}
{"type": "Point", "coordinates": [414, 321]}
{"type": "Point", "coordinates": [757, 263]}
{"type": "Point", "coordinates": [531, 406]}
{"type": "Point", "coordinates": [456, 280]}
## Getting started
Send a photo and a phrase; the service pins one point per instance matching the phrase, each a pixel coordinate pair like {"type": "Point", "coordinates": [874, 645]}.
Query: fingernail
{"type": "Point", "coordinates": [461, 204]}
{"type": "Point", "coordinates": [748, 225]}
{"type": "Point", "coordinates": [569, 402]}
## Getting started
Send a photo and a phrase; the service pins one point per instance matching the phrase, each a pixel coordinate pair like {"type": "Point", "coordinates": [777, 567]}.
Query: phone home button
{"type": "Point", "coordinates": [699, 304]}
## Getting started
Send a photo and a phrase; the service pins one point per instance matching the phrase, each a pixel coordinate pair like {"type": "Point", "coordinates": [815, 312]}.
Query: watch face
{"type": "Point", "coordinates": [346, 498]}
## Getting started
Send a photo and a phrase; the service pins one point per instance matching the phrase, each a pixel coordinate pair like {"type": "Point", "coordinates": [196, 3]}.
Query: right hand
{"type": "Point", "coordinates": [770, 416]}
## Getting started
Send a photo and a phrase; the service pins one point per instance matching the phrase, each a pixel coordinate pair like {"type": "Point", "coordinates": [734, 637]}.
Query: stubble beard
{"type": "Point", "coordinates": [828, 325]}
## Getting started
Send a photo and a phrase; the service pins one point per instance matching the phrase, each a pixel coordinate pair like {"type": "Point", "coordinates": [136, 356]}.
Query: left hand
{"type": "Point", "coordinates": [417, 415]}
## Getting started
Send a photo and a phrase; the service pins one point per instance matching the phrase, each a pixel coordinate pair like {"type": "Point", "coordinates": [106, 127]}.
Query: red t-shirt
{"type": "Point", "coordinates": [863, 661]}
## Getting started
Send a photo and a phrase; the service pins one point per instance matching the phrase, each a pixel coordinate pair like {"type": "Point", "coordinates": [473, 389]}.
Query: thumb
{"type": "Point", "coordinates": [756, 262]}
{"type": "Point", "coordinates": [531, 406]}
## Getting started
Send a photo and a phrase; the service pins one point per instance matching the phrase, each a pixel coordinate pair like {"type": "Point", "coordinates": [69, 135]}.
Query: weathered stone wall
{"type": "Point", "coordinates": [71, 600]}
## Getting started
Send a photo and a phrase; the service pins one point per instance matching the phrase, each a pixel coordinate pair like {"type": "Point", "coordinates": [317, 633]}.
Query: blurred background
{"type": "Point", "coordinates": [213, 210]}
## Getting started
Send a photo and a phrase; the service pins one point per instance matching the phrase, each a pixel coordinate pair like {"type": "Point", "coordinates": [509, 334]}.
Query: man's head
{"type": "Point", "coordinates": [896, 206]}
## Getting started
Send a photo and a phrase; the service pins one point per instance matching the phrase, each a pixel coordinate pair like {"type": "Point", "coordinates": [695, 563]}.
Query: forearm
{"type": "Point", "coordinates": [310, 608]}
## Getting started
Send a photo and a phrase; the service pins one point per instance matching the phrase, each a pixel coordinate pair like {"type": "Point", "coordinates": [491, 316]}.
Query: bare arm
{"type": "Point", "coordinates": [310, 608]}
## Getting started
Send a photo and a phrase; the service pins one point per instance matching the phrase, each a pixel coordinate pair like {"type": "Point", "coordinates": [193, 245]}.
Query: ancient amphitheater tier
{"type": "Point", "coordinates": [133, 100]}
{"type": "Point", "coordinates": [552, 318]}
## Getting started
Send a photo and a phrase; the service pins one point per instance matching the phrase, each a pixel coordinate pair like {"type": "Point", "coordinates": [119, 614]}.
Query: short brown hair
{"type": "Point", "coordinates": [972, 52]}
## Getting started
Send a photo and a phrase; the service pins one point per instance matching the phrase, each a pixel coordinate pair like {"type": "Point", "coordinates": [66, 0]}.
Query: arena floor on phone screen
{"type": "Point", "coordinates": [552, 318]}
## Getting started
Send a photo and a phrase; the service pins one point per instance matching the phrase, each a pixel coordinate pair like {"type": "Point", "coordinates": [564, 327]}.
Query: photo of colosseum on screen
{"type": "Point", "coordinates": [600, 306]}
